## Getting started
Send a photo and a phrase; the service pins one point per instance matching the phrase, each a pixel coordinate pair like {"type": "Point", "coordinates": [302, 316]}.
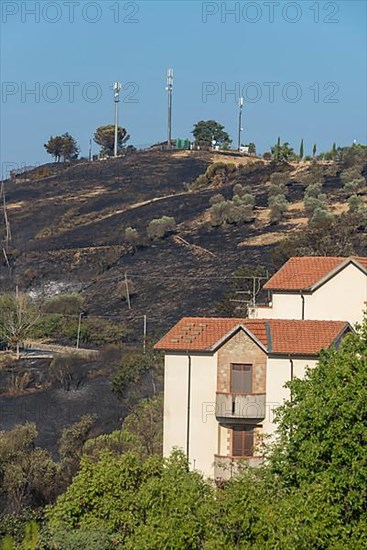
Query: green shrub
{"type": "Point", "coordinates": [276, 190]}
{"type": "Point", "coordinates": [64, 304]}
{"type": "Point", "coordinates": [241, 190]}
{"type": "Point", "coordinates": [311, 203]}
{"type": "Point", "coordinates": [279, 178]}
{"type": "Point", "coordinates": [350, 174]}
{"type": "Point", "coordinates": [232, 212]}
{"type": "Point", "coordinates": [313, 190]}
{"type": "Point", "coordinates": [320, 217]}
{"type": "Point", "coordinates": [215, 199]}
{"type": "Point", "coordinates": [161, 227]}
{"type": "Point", "coordinates": [355, 185]}
{"type": "Point", "coordinates": [356, 204]}
{"type": "Point", "coordinates": [201, 181]}
{"type": "Point", "coordinates": [247, 199]}
{"type": "Point", "coordinates": [278, 207]}
{"type": "Point", "coordinates": [90, 538]}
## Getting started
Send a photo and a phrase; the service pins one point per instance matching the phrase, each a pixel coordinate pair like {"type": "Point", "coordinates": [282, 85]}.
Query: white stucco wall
{"type": "Point", "coordinates": [342, 298]}
{"type": "Point", "coordinates": [203, 438]}
{"type": "Point", "coordinates": [278, 373]}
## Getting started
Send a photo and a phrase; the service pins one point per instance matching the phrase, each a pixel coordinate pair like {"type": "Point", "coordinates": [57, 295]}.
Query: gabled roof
{"type": "Point", "coordinates": [306, 273]}
{"type": "Point", "coordinates": [275, 336]}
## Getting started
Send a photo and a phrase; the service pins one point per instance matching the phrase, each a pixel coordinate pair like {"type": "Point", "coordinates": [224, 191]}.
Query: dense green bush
{"type": "Point", "coordinates": [356, 204]}
{"type": "Point", "coordinates": [320, 217]}
{"type": "Point", "coordinates": [313, 190]}
{"type": "Point", "coordinates": [64, 304]}
{"type": "Point", "coordinates": [161, 227]}
{"type": "Point", "coordinates": [278, 205]}
{"type": "Point", "coordinates": [311, 203]}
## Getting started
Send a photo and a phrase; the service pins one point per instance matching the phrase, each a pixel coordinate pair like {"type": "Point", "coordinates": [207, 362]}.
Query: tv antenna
{"type": "Point", "coordinates": [169, 89]}
{"type": "Point", "coordinates": [116, 97]}
{"type": "Point", "coordinates": [240, 107]}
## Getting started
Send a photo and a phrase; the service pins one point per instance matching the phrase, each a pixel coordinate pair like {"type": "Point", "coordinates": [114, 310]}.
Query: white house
{"type": "Point", "coordinates": [330, 288]}
{"type": "Point", "coordinates": [224, 377]}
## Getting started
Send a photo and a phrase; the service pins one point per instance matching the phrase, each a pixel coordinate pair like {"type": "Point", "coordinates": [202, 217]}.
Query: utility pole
{"type": "Point", "coordinates": [240, 106]}
{"type": "Point", "coordinates": [127, 291]}
{"type": "Point", "coordinates": [169, 89]}
{"type": "Point", "coordinates": [79, 329]}
{"type": "Point", "coordinates": [116, 95]}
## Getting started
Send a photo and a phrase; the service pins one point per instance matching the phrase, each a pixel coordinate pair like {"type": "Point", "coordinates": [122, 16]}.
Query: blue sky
{"type": "Point", "coordinates": [311, 56]}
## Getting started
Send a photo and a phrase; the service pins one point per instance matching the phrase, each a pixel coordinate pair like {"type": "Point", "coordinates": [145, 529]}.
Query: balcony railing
{"type": "Point", "coordinates": [240, 408]}
{"type": "Point", "coordinates": [227, 466]}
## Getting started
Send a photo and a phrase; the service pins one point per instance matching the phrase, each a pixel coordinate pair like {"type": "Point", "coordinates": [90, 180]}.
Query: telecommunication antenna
{"type": "Point", "coordinates": [116, 96]}
{"type": "Point", "coordinates": [240, 107]}
{"type": "Point", "coordinates": [169, 89]}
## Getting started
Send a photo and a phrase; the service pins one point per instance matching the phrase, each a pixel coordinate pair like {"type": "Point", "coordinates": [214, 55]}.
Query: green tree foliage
{"type": "Point", "coordinates": [323, 434]}
{"type": "Point", "coordinates": [27, 472]}
{"type": "Point", "coordinates": [282, 152]}
{"type": "Point", "coordinates": [104, 136]}
{"type": "Point", "coordinates": [161, 227]}
{"type": "Point", "coordinates": [64, 304]}
{"type": "Point", "coordinates": [141, 432]}
{"type": "Point", "coordinates": [321, 217]}
{"type": "Point", "coordinates": [206, 131]}
{"type": "Point", "coordinates": [353, 156]}
{"type": "Point", "coordinates": [238, 210]}
{"type": "Point", "coordinates": [153, 504]}
{"type": "Point", "coordinates": [139, 375]}
{"type": "Point", "coordinates": [356, 204]}
{"type": "Point", "coordinates": [95, 331]}
{"type": "Point", "coordinates": [71, 445]}
{"type": "Point", "coordinates": [344, 235]}
{"type": "Point", "coordinates": [278, 205]}
{"type": "Point", "coordinates": [64, 146]}
{"type": "Point", "coordinates": [251, 148]}
{"type": "Point", "coordinates": [301, 150]}
{"type": "Point", "coordinates": [314, 149]}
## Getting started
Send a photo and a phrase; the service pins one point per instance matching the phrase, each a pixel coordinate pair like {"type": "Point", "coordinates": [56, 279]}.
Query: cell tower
{"type": "Point", "coordinates": [240, 107]}
{"type": "Point", "coordinates": [116, 96]}
{"type": "Point", "coordinates": [169, 89]}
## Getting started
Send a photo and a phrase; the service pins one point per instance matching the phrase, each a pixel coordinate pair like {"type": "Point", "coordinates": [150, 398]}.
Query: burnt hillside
{"type": "Point", "coordinates": [68, 223]}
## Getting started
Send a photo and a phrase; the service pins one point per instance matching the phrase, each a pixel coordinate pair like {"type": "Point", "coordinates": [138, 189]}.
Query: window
{"type": "Point", "coordinates": [241, 378]}
{"type": "Point", "coordinates": [243, 441]}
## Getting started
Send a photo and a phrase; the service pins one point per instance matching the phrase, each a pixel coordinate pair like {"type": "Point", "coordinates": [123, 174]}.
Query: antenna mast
{"type": "Point", "coordinates": [240, 106]}
{"type": "Point", "coordinates": [169, 89]}
{"type": "Point", "coordinates": [116, 93]}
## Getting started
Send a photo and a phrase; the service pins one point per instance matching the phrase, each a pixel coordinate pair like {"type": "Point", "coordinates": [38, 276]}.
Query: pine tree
{"type": "Point", "coordinates": [301, 150]}
{"type": "Point", "coordinates": [314, 150]}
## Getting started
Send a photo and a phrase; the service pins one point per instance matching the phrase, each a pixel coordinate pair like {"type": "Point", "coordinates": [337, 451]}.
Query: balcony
{"type": "Point", "coordinates": [227, 466]}
{"type": "Point", "coordinates": [239, 408]}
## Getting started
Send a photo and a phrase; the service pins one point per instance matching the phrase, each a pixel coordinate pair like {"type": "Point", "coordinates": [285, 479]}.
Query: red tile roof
{"type": "Point", "coordinates": [276, 335]}
{"type": "Point", "coordinates": [304, 272]}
